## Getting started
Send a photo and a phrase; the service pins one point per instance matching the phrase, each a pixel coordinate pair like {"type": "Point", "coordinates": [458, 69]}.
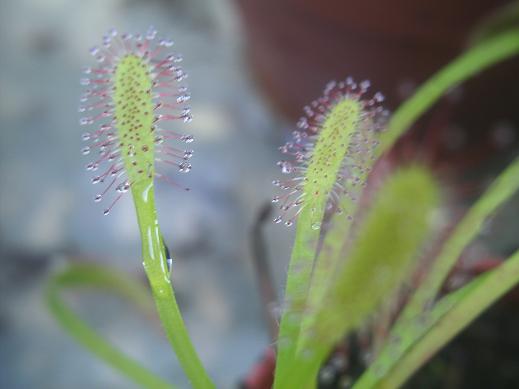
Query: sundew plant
{"type": "Point", "coordinates": [362, 232]}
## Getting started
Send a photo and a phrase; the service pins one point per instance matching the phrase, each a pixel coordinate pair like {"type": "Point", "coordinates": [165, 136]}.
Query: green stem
{"type": "Point", "coordinates": [419, 340]}
{"type": "Point", "coordinates": [94, 276]}
{"type": "Point", "coordinates": [486, 54]}
{"type": "Point", "coordinates": [486, 291]}
{"type": "Point", "coordinates": [297, 285]}
{"type": "Point", "coordinates": [155, 264]}
{"type": "Point", "coordinates": [467, 229]}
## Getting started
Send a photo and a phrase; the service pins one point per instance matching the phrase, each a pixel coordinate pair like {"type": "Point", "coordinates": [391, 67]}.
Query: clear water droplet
{"type": "Point", "coordinates": [184, 167]}
{"type": "Point", "coordinates": [151, 33]}
{"type": "Point", "coordinates": [183, 98]}
{"type": "Point", "coordinates": [179, 73]}
{"type": "Point", "coordinates": [85, 121]}
{"type": "Point", "coordinates": [107, 40]}
{"type": "Point", "coordinates": [98, 198]}
{"type": "Point", "coordinates": [85, 150]}
{"type": "Point", "coordinates": [187, 117]}
{"type": "Point", "coordinates": [169, 259]}
{"type": "Point", "coordinates": [286, 167]}
{"type": "Point", "coordinates": [278, 219]}
{"type": "Point", "coordinates": [94, 50]}
{"type": "Point", "coordinates": [166, 42]}
{"type": "Point", "coordinates": [85, 136]}
{"type": "Point", "coordinates": [188, 154]}
{"type": "Point", "coordinates": [316, 226]}
{"type": "Point", "coordinates": [378, 97]}
{"type": "Point", "coordinates": [364, 85]}
{"type": "Point", "coordinates": [123, 187]}
{"type": "Point", "coordinates": [275, 199]}
{"type": "Point", "coordinates": [187, 138]}
{"type": "Point", "coordinates": [106, 212]}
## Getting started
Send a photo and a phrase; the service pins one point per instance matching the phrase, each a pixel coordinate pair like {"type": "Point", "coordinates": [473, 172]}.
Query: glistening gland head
{"type": "Point", "coordinates": [331, 152]}
{"type": "Point", "coordinates": [131, 97]}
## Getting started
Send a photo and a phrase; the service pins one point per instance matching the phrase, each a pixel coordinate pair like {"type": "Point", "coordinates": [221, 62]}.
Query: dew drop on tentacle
{"type": "Point", "coordinates": [379, 97]}
{"type": "Point", "coordinates": [123, 187]}
{"type": "Point", "coordinates": [94, 51]}
{"type": "Point", "coordinates": [121, 90]}
{"type": "Point", "coordinates": [187, 138]}
{"type": "Point", "coordinates": [184, 167]}
{"type": "Point", "coordinates": [169, 258]}
{"type": "Point", "coordinates": [151, 33]}
{"type": "Point", "coordinates": [85, 121]}
{"type": "Point", "coordinates": [323, 158]}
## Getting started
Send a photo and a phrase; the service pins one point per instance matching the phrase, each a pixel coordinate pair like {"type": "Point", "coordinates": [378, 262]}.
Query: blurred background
{"type": "Point", "coordinates": [252, 66]}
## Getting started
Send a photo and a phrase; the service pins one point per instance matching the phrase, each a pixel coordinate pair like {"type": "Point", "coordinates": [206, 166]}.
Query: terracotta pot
{"type": "Point", "coordinates": [296, 46]}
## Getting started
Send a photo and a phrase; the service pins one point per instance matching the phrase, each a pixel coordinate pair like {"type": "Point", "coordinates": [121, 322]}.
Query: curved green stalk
{"type": "Point", "coordinates": [503, 19]}
{"type": "Point", "coordinates": [486, 291]}
{"type": "Point", "coordinates": [475, 60]}
{"type": "Point", "coordinates": [298, 279]}
{"type": "Point", "coordinates": [505, 185]}
{"type": "Point", "coordinates": [321, 175]}
{"type": "Point", "coordinates": [125, 87]}
{"type": "Point", "coordinates": [436, 328]}
{"type": "Point", "coordinates": [382, 256]}
{"type": "Point", "coordinates": [133, 100]}
{"type": "Point", "coordinates": [155, 264]}
{"type": "Point", "coordinates": [489, 52]}
{"type": "Point", "coordinates": [95, 276]}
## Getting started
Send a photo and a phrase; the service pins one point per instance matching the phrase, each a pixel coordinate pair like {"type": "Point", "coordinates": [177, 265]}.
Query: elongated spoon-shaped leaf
{"type": "Point", "coordinates": [413, 345]}
{"type": "Point", "coordinates": [342, 120]}
{"type": "Point", "coordinates": [133, 92]}
{"type": "Point", "coordinates": [387, 244]}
